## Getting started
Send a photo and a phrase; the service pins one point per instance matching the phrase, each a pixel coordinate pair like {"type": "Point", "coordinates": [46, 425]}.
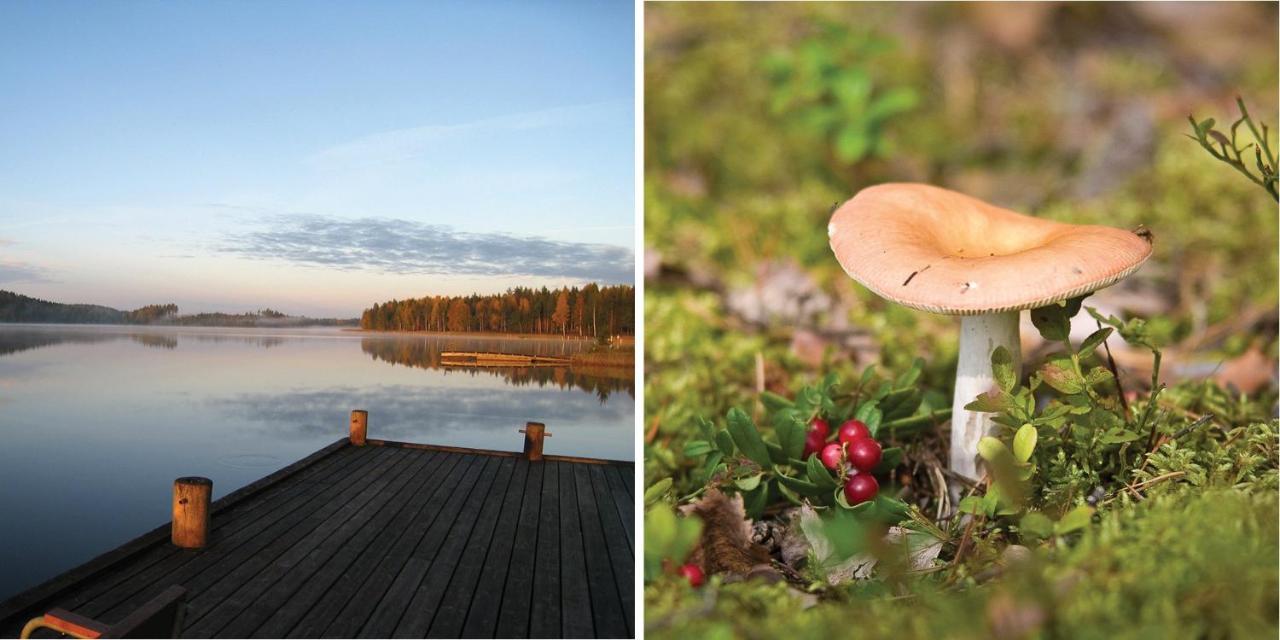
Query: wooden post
{"type": "Point", "coordinates": [191, 512]}
{"type": "Point", "coordinates": [534, 432]}
{"type": "Point", "coordinates": [359, 426]}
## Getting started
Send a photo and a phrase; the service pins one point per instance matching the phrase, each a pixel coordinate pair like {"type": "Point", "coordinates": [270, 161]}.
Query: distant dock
{"type": "Point", "coordinates": [483, 359]}
{"type": "Point", "coordinates": [372, 538]}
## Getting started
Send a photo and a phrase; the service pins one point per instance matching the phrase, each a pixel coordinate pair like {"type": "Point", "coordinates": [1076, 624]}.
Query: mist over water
{"type": "Point", "coordinates": [99, 420]}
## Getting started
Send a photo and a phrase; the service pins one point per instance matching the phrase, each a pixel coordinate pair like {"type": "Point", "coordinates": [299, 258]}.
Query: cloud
{"type": "Point", "coordinates": [407, 247]}
{"type": "Point", "coordinates": [22, 273]}
{"type": "Point", "coordinates": [402, 144]}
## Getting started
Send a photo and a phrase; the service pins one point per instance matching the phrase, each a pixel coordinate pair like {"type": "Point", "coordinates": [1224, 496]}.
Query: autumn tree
{"type": "Point", "coordinates": [561, 316]}
{"type": "Point", "coordinates": [459, 315]}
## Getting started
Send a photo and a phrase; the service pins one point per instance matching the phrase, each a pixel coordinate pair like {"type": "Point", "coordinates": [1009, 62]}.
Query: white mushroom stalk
{"type": "Point", "coordinates": [980, 336]}
{"type": "Point", "coordinates": [940, 251]}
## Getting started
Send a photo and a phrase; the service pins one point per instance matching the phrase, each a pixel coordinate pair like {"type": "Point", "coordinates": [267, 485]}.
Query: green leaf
{"type": "Point", "coordinates": [755, 501]}
{"type": "Point", "coordinates": [1094, 340]}
{"type": "Point", "coordinates": [802, 487]}
{"type": "Point", "coordinates": [1024, 442]}
{"type": "Point", "coordinates": [1118, 436]}
{"type": "Point", "coordinates": [1074, 520]}
{"type": "Point", "coordinates": [747, 438]}
{"type": "Point", "coordinates": [852, 143]}
{"type": "Point", "coordinates": [1097, 376]}
{"type": "Point", "coordinates": [724, 442]}
{"type": "Point", "coordinates": [819, 476]}
{"type": "Point", "coordinates": [991, 449]}
{"type": "Point", "coordinates": [1002, 369]}
{"type": "Point", "coordinates": [970, 504]}
{"type": "Point", "coordinates": [1052, 321]}
{"type": "Point", "coordinates": [705, 428]}
{"type": "Point", "coordinates": [1061, 378]}
{"type": "Point", "coordinates": [776, 455]}
{"type": "Point", "coordinates": [791, 434]}
{"type": "Point", "coordinates": [748, 483]}
{"type": "Point", "coordinates": [696, 448]}
{"type": "Point", "coordinates": [656, 491]}
{"type": "Point", "coordinates": [894, 101]}
{"type": "Point", "coordinates": [910, 377]}
{"type": "Point", "coordinates": [992, 402]}
{"type": "Point", "coordinates": [774, 402]}
{"type": "Point", "coordinates": [891, 510]}
{"type": "Point", "coordinates": [1036, 525]}
{"type": "Point", "coordinates": [710, 467]}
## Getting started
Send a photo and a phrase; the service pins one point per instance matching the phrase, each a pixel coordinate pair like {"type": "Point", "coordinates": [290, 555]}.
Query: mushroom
{"type": "Point", "coordinates": [936, 250]}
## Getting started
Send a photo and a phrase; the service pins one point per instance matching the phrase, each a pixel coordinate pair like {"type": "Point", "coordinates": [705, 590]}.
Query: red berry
{"type": "Point", "coordinates": [860, 488]}
{"type": "Point", "coordinates": [813, 443]}
{"type": "Point", "coordinates": [818, 425]}
{"type": "Point", "coordinates": [692, 573]}
{"type": "Point", "coordinates": [832, 456]}
{"type": "Point", "coordinates": [852, 430]}
{"type": "Point", "coordinates": [864, 454]}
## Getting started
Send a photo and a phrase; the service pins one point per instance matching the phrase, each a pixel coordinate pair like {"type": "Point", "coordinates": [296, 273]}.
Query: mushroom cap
{"type": "Point", "coordinates": [937, 250]}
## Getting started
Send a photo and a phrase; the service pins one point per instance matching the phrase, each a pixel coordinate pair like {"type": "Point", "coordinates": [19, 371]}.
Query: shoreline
{"type": "Point", "coordinates": [481, 334]}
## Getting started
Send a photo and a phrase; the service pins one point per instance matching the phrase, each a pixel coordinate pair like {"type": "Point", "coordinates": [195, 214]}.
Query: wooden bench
{"type": "Point", "coordinates": [161, 617]}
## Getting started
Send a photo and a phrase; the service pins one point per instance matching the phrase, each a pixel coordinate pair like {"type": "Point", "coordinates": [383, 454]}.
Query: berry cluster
{"type": "Point", "coordinates": [852, 456]}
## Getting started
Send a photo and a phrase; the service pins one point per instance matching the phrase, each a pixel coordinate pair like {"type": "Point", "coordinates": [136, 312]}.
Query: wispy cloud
{"type": "Point", "coordinates": [402, 144]}
{"type": "Point", "coordinates": [403, 246]}
{"type": "Point", "coordinates": [22, 273]}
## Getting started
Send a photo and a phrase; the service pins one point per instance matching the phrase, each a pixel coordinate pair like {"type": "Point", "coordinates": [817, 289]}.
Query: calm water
{"type": "Point", "coordinates": [97, 421]}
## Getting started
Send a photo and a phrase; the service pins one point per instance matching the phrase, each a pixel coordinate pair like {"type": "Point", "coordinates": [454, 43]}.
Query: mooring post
{"type": "Point", "coordinates": [359, 426]}
{"type": "Point", "coordinates": [534, 432]}
{"type": "Point", "coordinates": [191, 512]}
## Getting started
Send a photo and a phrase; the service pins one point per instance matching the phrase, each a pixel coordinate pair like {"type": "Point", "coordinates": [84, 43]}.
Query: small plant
{"type": "Point", "coordinates": [1229, 151]}
{"type": "Point", "coordinates": [827, 85]}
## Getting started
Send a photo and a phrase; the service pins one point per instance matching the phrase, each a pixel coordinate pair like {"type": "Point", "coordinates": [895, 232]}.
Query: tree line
{"type": "Point", "coordinates": [15, 307]}
{"type": "Point", "coordinates": [590, 311]}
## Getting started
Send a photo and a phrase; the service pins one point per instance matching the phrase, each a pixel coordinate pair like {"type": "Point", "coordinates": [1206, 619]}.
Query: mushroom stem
{"type": "Point", "coordinates": [979, 336]}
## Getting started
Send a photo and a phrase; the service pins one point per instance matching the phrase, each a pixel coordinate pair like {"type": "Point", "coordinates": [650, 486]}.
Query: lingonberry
{"type": "Point", "coordinates": [832, 456]}
{"type": "Point", "coordinates": [864, 454]}
{"type": "Point", "coordinates": [852, 430]}
{"type": "Point", "coordinates": [692, 573]}
{"type": "Point", "coordinates": [860, 487]}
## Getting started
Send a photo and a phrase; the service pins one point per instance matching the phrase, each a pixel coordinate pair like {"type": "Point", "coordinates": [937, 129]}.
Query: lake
{"type": "Point", "coordinates": [97, 421]}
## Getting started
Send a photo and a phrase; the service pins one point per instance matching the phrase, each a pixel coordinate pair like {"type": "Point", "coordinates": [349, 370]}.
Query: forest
{"type": "Point", "coordinates": [591, 311]}
{"type": "Point", "coordinates": [15, 307]}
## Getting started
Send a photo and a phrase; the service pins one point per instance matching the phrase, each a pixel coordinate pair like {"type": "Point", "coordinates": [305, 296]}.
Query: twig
{"type": "Point", "coordinates": [1189, 428]}
{"type": "Point", "coordinates": [1115, 375]}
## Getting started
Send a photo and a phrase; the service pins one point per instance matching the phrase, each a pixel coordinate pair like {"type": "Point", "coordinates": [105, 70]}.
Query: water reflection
{"type": "Point", "coordinates": [414, 413]}
{"type": "Point", "coordinates": [424, 353]}
{"type": "Point", "coordinates": [19, 338]}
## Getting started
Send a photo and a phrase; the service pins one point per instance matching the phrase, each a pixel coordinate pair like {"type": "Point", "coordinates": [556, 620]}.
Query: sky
{"type": "Point", "coordinates": [313, 157]}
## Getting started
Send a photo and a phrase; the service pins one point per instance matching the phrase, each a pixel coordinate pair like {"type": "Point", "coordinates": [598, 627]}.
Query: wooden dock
{"type": "Point", "coordinates": [386, 539]}
{"type": "Point", "coordinates": [475, 358]}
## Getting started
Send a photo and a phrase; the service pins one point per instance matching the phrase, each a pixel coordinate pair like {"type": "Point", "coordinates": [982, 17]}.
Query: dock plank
{"type": "Point", "coordinates": [517, 592]}
{"type": "Point", "coordinates": [606, 605]}
{"type": "Point", "coordinates": [449, 597]}
{"type": "Point", "coordinates": [241, 612]}
{"type": "Point", "coordinates": [621, 560]}
{"type": "Point", "coordinates": [395, 602]}
{"type": "Point", "coordinates": [338, 579]}
{"type": "Point", "coordinates": [386, 539]}
{"type": "Point", "coordinates": [545, 615]}
{"type": "Point", "coordinates": [575, 597]}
